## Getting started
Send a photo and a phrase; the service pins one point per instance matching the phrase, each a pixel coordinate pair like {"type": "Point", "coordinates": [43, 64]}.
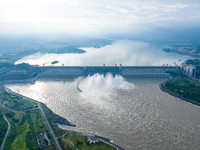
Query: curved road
{"type": "Point", "coordinates": [6, 132]}
{"type": "Point", "coordinates": [42, 112]}
{"type": "Point", "coordinates": [51, 131]}
{"type": "Point", "coordinates": [10, 109]}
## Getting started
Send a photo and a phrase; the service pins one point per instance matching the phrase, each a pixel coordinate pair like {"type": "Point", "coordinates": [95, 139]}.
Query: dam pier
{"type": "Point", "coordinates": [124, 71]}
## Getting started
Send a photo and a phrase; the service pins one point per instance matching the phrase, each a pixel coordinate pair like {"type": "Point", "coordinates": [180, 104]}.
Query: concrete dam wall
{"type": "Point", "coordinates": [125, 71]}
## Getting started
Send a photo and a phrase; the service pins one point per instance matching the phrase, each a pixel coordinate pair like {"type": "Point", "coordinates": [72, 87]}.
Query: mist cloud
{"type": "Point", "coordinates": [96, 17]}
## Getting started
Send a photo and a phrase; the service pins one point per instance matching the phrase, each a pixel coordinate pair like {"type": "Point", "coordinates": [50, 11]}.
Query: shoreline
{"type": "Point", "coordinates": [174, 95]}
{"type": "Point", "coordinates": [93, 137]}
{"type": "Point", "coordinates": [64, 121]}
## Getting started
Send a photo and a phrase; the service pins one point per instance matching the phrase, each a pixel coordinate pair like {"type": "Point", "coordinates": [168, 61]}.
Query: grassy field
{"type": "Point", "coordinates": [185, 87]}
{"type": "Point", "coordinates": [50, 147]}
{"type": "Point", "coordinates": [65, 144]}
{"type": "Point", "coordinates": [37, 120]}
{"type": "Point", "coordinates": [14, 119]}
{"type": "Point", "coordinates": [25, 126]}
{"type": "Point", "coordinates": [20, 141]}
{"type": "Point", "coordinates": [81, 142]}
{"type": "Point", "coordinates": [23, 132]}
{"type": "Point", "coordinates": [51, 116]}
{"type": "Point", "coordinates": [25, 104]}
{"type": "Point", "coordinates": [37, 125]}
{"type": "Point", "coordinates": [15, 102]}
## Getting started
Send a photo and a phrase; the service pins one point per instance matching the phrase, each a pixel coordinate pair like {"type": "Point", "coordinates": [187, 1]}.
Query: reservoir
{"type": "Point", "coordinates": [134, 113]}
{"type": "Point", "coordinates": [125, 52]}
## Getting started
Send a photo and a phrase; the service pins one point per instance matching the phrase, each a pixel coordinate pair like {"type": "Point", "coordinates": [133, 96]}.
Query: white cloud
{"type": "Point", "coordinates": [92, 16]}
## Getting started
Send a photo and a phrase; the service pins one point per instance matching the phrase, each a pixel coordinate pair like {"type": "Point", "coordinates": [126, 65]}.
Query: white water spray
{"type": "Point", "coordinates": [97, 89]}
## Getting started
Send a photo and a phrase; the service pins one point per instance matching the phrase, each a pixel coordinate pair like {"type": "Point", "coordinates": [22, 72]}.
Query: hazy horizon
{"type": "Point", "coordinates": [104, 19]}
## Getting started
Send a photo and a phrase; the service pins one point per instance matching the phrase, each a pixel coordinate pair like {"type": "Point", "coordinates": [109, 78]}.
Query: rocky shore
{"type": "Point", "coordinates": [64, 122]}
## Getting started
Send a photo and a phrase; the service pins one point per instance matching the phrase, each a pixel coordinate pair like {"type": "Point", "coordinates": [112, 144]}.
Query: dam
{"type": "Point", "coordinates": [125, 71]}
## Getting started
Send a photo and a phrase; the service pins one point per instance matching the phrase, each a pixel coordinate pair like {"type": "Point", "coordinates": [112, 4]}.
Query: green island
{"type": "Point", "coordinates": [54, 62]}
{"type": "Point", "coordinates": [29, 129]}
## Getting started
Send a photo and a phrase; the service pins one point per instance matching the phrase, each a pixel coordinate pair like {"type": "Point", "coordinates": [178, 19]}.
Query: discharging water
{"type": "Point", "coordinates": [134, 113]}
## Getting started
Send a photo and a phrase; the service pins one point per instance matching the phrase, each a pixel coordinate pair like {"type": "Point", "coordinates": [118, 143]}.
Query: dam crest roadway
{"type": "Point", "coordinates": [124, 71]}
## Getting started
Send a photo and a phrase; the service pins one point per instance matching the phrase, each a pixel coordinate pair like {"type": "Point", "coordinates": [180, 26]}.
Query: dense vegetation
{"type": "Point", "coordinates": [24, 126]}
{"type": "Point", "coordinates": [81, 142]}
{"type": "Point", "coordinates": [22, 134]}
{"type": "Point", "coordinates": [14, 48]}
{"type": "Point", "coordinates": [184, 87]}
{"type": "Point", "coordinates": [6, 64]}
{"type": "Point", "coordinates": [13, 131]}
{"type": "Point", "coordinates": [195, 62]}
{"type": "Point", "coordinates": [6, 74]}
{"type": "Point", "coordinates": [36, 124]}
{"type": "Point", "coordinates": [54, 62]}
{"type": "Point", "coordinates": [51, 116]}
{"type": "Point", "coordinates": [15, 102]}
{"type": "Point", "coordinates": [69, 49]}
{"type": "Point", "coordinates": [3, 127]}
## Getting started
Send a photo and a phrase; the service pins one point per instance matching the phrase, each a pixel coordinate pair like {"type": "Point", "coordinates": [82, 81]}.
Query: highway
{"type": "Point", "coordinates": [2, 145]}
{"type": "Point", "coordinates": [50, 129]}
{"type": "Point", "coordinates": [42, 112]}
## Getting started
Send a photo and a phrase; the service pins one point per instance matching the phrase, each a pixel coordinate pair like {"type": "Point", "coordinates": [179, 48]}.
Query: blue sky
{"type": "Point", "coordinates": [96, 18]}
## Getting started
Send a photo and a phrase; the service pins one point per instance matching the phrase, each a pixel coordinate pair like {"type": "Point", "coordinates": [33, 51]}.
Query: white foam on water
{"type": "Point", "coordinates": [97, 89]}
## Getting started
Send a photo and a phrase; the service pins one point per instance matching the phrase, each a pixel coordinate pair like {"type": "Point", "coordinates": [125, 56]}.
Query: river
{"type": "Point", "coordinates": [125, 52]}
{"type": "Point", "coordinates": [134, 113]}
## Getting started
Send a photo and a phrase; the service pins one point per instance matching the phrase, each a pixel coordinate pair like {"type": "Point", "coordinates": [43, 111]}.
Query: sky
{"type": "Point", "coordinates": [96, 17]}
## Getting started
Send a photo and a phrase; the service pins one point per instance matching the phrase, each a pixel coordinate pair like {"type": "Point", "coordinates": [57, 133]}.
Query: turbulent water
{"type": "Point", "coordinates": [134, 113]}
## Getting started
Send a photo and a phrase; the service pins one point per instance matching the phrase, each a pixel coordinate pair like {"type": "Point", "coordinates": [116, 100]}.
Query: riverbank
{"type": "Point", "coordinates": [164, 89]}
{"type": "Point", "coordinates": [92, 138]}
{"type": "Point", "coordinates": [58, 119]}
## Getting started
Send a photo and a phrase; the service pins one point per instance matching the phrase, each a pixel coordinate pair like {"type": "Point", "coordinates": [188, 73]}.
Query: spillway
{"type": "Point", "coordinates": [125, 71]}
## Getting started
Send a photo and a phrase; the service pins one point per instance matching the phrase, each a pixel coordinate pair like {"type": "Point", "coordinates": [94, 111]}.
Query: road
{"type": "Point", "coordinates": [10, 109]}
{"type": "Point", "coordinates": [50, 129]}
{"type": "Point", "coordinates": [6, 132]}
{"type": "Point", "coordinates": [42, 112]}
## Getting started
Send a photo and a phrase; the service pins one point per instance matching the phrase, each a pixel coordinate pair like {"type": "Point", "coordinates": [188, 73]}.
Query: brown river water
{"type": "Point", "coordinates": [134, 113]}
